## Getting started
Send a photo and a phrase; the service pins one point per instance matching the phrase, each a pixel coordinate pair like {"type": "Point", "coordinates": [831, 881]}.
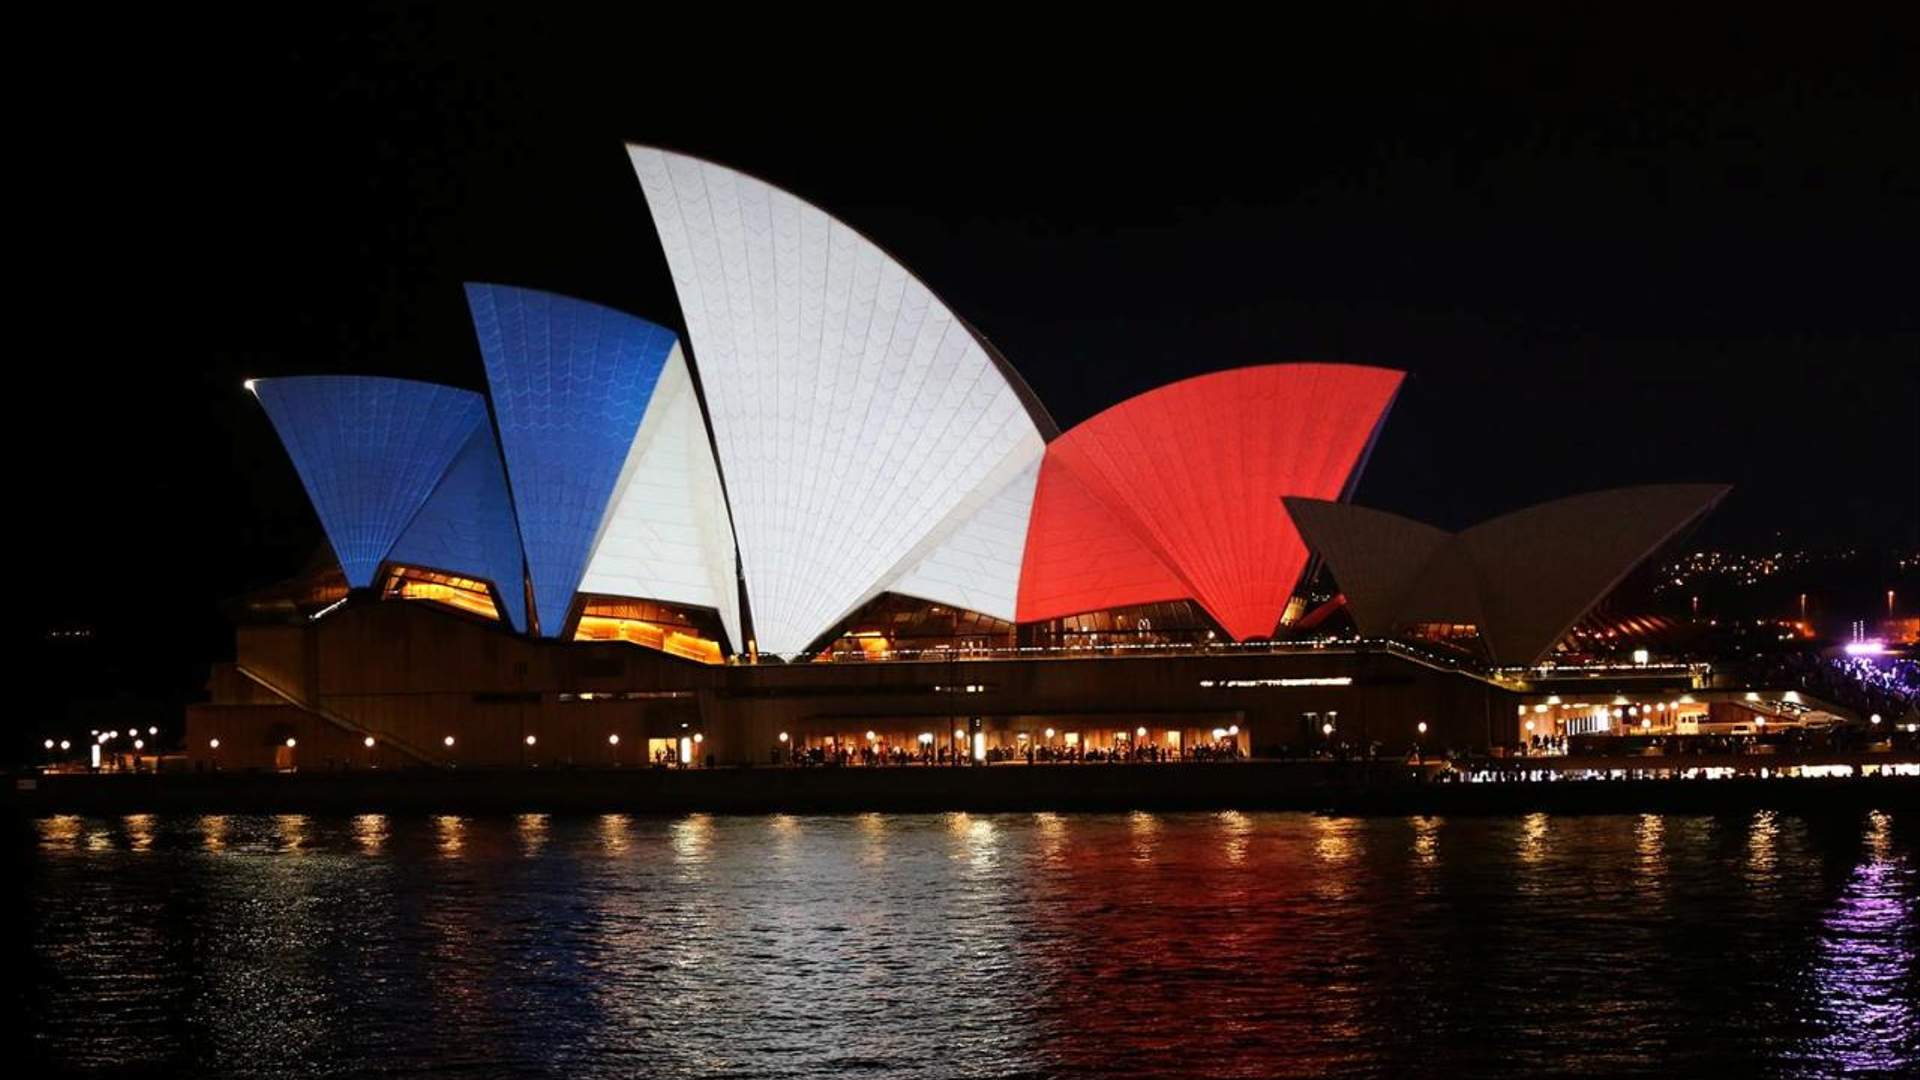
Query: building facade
{"type": "Point", "coordinates": [834, 519]}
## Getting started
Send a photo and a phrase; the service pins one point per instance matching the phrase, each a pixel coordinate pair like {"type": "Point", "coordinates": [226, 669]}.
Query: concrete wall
{"type": "Point", "coordinates": [415, 674]}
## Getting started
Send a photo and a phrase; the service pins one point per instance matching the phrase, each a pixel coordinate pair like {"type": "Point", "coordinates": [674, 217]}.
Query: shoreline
{"type": "Point", "coordinates": [1348, 788]}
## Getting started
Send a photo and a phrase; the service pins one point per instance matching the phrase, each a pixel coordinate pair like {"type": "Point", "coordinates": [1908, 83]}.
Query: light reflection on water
{"type": "Point", "coordinates": [1227, 944]}
{"type": "Point", "coordinates": [370, 830]}
{"type": "Point", "coordinates": [533, 832]}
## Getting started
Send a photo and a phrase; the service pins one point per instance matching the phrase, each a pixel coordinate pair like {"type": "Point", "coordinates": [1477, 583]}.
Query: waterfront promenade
{"type": "Point", "coordinates": [1695, 784]}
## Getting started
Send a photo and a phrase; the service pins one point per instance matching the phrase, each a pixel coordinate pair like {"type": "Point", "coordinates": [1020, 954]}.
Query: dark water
{"type": "Point", "coordinates": [937, 946]}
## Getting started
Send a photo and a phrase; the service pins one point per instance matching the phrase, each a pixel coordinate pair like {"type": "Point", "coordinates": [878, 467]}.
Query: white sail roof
{"type": "Point", "coordinates": [860, 425]}
{"type": "Point", "coordinates": [666, 535]}
{"type": "Point", "coordinates": [977, 565]}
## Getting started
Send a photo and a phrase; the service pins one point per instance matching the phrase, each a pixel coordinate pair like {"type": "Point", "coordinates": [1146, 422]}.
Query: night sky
{"type": "Point", "coordinates": [1649, 254]}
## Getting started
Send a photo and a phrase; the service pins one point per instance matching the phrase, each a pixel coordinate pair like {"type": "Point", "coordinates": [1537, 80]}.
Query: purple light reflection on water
{"type": "Point", "coordinates": [1865, 973]}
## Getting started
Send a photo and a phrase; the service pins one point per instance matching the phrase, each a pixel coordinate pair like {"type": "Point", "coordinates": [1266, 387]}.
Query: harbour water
{"type": "Point", "coordinates": [947, 945]}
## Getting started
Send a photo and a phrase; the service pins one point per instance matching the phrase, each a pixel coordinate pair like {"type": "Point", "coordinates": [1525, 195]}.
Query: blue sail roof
{"type": "Point", "coordinates": [570, 383]}
{"type": "Point", "coordinates": [369, 451]}
{"type": "Point", "coordinates": [466, 526]}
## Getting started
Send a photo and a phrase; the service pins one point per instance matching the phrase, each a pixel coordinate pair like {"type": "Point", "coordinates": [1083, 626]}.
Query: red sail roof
{"type": "Point", "coordinates": [1176, 492]}
{"type": "Point", "coordinates": [1081, 556]}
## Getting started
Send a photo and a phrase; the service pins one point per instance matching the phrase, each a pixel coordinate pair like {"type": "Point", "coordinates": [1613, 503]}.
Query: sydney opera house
{"type": "Point", "coordinates": [833, 515]}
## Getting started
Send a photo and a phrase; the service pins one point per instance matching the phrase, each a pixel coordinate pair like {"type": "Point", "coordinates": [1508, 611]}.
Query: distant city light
{"type": "Point", "coordinates": [613, 740]}
{"type": "Point", "coordinates": [531, 740]}
{"type": "Point", "coordinates": [1421, 727]}
{"type": "Point", "coordinates": [448, 740]}
{"type": "Point", "coordinates": [1326, 729]}
{"type": "Point", "coordinates": [213, 744]}
{"type": "Point", "coordinates": [783, 736]}
{"type": "Point", "coordinates": [68, 745]}
{"type": "Point", "coordinates": [1049, 733]}
{"type": "Point", "coordinates": [1872, 647]}
{"type": "Point", "coordinates": [368, 741]}
{"type": "Point", "coordinates": [49, 744]}
{"type": "Point", "coordinates": [292, 742]}
{"type": "Point", "coordinates": [1233, 729]}
{"type": "Point", "coordinates": [699, 738]}
{"type": "Point", "coordinates": [139, 744]}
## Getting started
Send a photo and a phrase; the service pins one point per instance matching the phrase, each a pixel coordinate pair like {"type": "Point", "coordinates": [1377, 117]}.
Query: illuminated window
{"type": "Point", "coordinates": [460, 593]}
{"type": "Point", "coordinates": [892, 626]}
{"type": "Point", "coordinates": [662, 627]}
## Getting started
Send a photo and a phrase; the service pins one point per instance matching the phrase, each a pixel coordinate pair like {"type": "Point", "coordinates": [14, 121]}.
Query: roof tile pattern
{"type": "Point", "coordinates": [466, 526]}
{"type": "Point", "coordinates": [369, 451]}
{"type": "Point", "coordinates": [570, 382]}
{"type": "Point", "coordinates": [666, 535]}
{"type": "Point", "coordinates": [1196, 470]}
{"type": "Point", "coordinates": [856, 419]}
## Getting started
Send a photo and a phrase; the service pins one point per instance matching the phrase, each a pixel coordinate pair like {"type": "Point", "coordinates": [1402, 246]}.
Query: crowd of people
{"type": "Point", "coordinates": [874, 753]}
{"type": "Point", "coordinates": [1868, 685]}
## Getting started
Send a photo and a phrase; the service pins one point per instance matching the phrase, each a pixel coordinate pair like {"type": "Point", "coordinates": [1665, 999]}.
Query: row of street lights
{"type": "Point", "coordinates": [448, 741]}
{"type": "Point", "coordinates": [1328, 728]}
